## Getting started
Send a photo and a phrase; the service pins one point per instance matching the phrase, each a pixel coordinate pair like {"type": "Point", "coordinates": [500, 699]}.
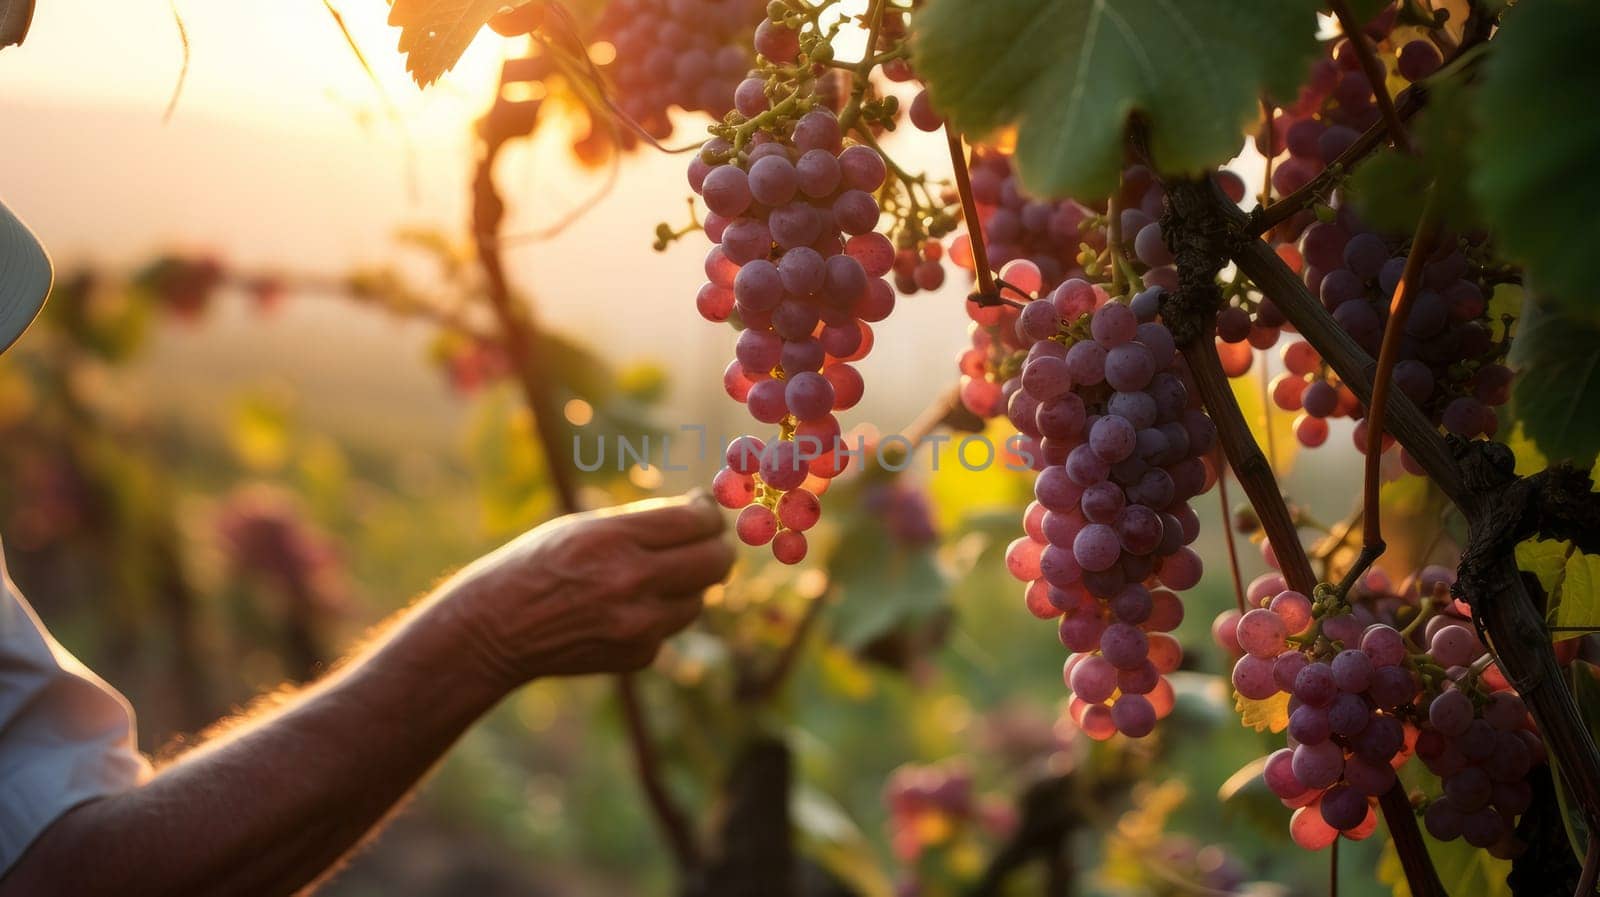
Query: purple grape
{"type": "Point", "coordinates": [1096, 547]}
{"type": "Point", "coordinates": [817, 174]}
{"type": "Point", "coordinates": [772, 180]}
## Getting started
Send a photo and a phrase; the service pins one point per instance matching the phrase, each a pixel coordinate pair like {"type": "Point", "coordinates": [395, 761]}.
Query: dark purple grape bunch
{"type": "Point", "coordinates": [686, 53]}
{"type": "Point", "coordinates": [1482, 745]}
{"type": "Point", "coordinates": [1333, 107]}
{"type": "Point", "coordinates": [1123, 445]}
{"type": "Point", "coordinates": [1451, 360]}
{"type": "Point", "coordinates": [798, 267]}
{"type": "Point", "coordinates": [1350, 692]}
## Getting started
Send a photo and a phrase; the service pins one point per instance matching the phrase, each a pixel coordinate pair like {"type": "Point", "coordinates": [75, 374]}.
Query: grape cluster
{"type": "Point", "coordinates": [689, 53]}
{"type": "Point", "coordinates": [1122, 445]}
{"type": "Point", "coordinates": [1051, 234]}
{"type": "Point", "coordinates": [1482, 745]}
{"type": "Point", "coordinates": [798, 267]}
{"type": "Point", "coordinates": [936, 808]}
{"type": "Point", "coordinates": [1364, 696]}
{"type": "Point", "coordinates": [1037, 245]}
{"type": "Point", "coordinates": [1450, 362]}
{"type": "Point", "coordinates": [1346, 722]}
{"type": "Point", "coordinates": [1335, 105]}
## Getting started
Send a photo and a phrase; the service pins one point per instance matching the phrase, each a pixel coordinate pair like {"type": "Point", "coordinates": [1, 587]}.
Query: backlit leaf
{"type": "Point", "coordinates": [1534, 174]}
{"type": "Point", "coordinates": [434, 33]}
{"type": "Point", "coordinates": [1556, 395]}
{"type": "Point", "coordinates": [1270, 715]}
{"type": "Point", "coordinates": [1070, 74]}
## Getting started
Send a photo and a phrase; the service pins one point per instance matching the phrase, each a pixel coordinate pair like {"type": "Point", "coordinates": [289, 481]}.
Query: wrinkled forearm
{"type": "Point", "coordinates": [268, 807]}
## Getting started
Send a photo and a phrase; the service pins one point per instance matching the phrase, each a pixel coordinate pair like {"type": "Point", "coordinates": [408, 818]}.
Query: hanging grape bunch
{"type": "Point", "coordinates": [1037, 245]}
{"type": "Point", "coordinates": [1451, 361]}
{"type": "Point", "coordinates": [798, 267]}
{"type": "Point", "coordinates": [1365, 695]}
{"type": "Point", "coordinates": [1106, 546]}
{"type": "Point", "coordinates": [685, 53]}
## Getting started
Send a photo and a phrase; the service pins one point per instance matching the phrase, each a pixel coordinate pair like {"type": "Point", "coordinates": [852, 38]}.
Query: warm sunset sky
{"type": "Point", "coordinates": [280, 154]}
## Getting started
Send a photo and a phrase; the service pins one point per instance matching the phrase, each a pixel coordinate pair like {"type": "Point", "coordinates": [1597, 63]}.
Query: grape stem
{"type": "Point", "coordinates": [1591, 868]}
{"type": "Point", "coordinates": [863, 70]}
{"type": "Point", "coordinates": [969, 210]}
{"type": "Point", "coordinates": [1227, 531]}
{"type": "Point", "coordinates": [1333, 868]}
{"type": "Point", "coordinates": [763, 688]}
{"type": "Point", "coordinates": [1114, 237]}
{"type": "Point", "coordinates": [1265, 197]}
{"type": "Point", "coordinates": [1250, 466]}
{"type": "Point", "coordinates": [1376, 76]}
{"type": "Point", "coordinates": [1405, 293]}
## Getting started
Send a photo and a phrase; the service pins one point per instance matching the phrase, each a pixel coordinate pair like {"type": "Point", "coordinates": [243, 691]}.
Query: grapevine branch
{"type": "Point", "coordinates": [1249, 464]}
{"type": "Point", "coordinates": [1191, 316]}
{"type": "Point", "coordinates": [1048, 819]}
{"type": "Point", "coordinates": [1193, 233]}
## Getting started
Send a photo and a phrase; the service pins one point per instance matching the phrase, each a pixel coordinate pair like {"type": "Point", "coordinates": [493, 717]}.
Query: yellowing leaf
{"type": "Point", "coordinates": [260, 431]}
{"type": "Point", "coordinates": [1575, 610]}
{"type": "Point", "coordinates": [1546, 559]}
{"type": "Point", "coordinates": [1463, 869]}
{"type": "Point", "coordinates": [434, 33]}
{"type": "Point", "coordinates": [1272, 427]}
{"type": "Point", "coordinates": [1270, 715]}
{"type": "Point", "coordinates": [1570, 579]}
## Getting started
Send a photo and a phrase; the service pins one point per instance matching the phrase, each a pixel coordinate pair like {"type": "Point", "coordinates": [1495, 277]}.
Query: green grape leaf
{"type": "Point", "coordinates": [1570, 579]}
{"type": "Point", "coordinates": [1556, 396]}
{"type": "Point", "coordinates": [1463, 869]}
{"type": "Point", "coordinates": [434, 33]}
{"type": "Point", "coordinates": [1245, 794]}
{"type": "Point", "coordinates": [1389, 189]}
{"type": "Point", "coordinates": [882, 585]}
{"type": "Point", "coordinates": [1070, 74]}
{"type": "Point", "coordinates": [1534, 173]}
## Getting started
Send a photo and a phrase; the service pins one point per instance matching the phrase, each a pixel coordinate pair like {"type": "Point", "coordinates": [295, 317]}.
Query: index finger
{"type": "Point", "coordinates": [667, 522]}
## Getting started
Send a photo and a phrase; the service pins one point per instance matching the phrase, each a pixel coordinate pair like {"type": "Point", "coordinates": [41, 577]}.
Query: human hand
{"type": "Point", "coordinates": [589, 593]}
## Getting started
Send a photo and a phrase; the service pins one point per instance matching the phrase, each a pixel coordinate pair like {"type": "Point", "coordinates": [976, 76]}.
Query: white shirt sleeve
{"type": "Point", "coordinates": [65, 736]}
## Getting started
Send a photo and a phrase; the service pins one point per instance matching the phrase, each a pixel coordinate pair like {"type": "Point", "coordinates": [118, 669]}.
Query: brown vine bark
{"type": "Point", "coordinates": [1195, 235]}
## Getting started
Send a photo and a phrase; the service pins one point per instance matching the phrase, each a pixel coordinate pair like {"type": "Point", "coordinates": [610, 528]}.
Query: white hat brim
{"type": "Point", "coordinates": [25, 277]}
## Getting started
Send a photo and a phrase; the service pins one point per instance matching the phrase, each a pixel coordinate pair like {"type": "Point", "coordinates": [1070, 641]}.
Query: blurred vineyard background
{"type": "Point", "coordinates": [251, 424]}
